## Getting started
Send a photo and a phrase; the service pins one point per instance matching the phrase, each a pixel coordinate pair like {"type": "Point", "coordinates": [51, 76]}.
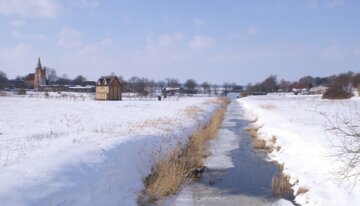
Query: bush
{"type": "Point", "coordinates": [336, 93]}
{"type": "Point", "coordinates": [21, 91]}
{"type": "Point", "coordinates": [358, 89]}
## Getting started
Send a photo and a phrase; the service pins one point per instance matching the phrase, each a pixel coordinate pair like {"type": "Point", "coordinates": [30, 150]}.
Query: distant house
{"type": "Point", "coordinates": [108, 88]}
{"type": "Point", "coordinates": [30, 80]}
{"type": "Point", "coordinates": [318, 90]}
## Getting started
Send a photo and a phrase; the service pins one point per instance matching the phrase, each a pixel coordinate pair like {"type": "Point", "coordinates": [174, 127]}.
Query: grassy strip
{"type": "Point", "coordinates": [183, 164]}
{"type": "Point", "coordinates": [280, 183]}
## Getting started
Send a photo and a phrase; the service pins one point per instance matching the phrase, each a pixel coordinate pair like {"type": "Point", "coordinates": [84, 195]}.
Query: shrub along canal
{"type": "Point", "coordinates": [235, 173]}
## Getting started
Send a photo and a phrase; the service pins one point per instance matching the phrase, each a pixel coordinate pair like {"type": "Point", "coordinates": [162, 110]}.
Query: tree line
{"type": "Point", "coordinates": [344, 81]}
{"type": "Point", "coordinates": [140, 85]}
{"type": "Point", "coordinates": [145, 86]}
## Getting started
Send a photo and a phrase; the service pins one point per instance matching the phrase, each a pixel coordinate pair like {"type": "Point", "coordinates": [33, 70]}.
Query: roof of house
{"type": "Point", "coordinates": [106, 80]}
{"type": "Point", "coordinates": [319, 88]}
{"type": "Point", "coordinates": [30, 77]}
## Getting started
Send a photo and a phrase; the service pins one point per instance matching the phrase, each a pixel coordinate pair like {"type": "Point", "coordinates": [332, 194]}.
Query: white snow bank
{"type": "Point", "coordinates": [59, 152]}
{"type": "Point", "coordinates": [299, 127]}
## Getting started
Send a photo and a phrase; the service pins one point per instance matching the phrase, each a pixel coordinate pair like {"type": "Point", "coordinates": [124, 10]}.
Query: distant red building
{"type": "Point", "coordinates": [29, 80]}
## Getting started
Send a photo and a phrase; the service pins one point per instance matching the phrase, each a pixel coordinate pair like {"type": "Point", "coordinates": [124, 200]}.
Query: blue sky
{"type": "Point", "coordinates": [218, 41]}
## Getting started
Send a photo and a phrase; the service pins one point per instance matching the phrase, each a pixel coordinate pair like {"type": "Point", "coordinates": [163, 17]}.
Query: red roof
{"type": "Point", "coordinates": [30, 77]}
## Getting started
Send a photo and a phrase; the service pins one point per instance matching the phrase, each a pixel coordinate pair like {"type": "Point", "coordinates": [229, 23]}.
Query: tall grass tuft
{"type": "Point", "coordinates": [183, 164]}
{"type": "Point", "coordinates": [280, 184]}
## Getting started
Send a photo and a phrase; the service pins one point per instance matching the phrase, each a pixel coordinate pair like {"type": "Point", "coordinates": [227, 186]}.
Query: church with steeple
{"type": "Point", "coordinates": [40, 75]}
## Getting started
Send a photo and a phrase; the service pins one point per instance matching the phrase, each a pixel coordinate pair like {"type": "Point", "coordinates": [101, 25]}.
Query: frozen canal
{"type": "Point", "coordinates": [235, 174]}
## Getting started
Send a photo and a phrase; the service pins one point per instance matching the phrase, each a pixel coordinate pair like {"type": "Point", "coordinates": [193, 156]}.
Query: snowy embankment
{"type": "Point", "coordinates": [300, 129]}
{"type": "Point", "coordinates": [61, 152]}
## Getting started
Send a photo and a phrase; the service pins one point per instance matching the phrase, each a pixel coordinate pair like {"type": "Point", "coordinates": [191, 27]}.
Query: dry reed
{"type": "Point", "coordinates": [302, 190]}
{"type": "Point", "coordinates": [183, 164]}
{"type": "Point", "coordinates": [280, 184]}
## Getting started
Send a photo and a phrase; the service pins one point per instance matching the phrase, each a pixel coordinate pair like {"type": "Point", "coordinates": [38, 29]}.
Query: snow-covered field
{"type": "Point", "coordinates": [59, 152]}
{"type": "Point", "coordinates": [300, 129]}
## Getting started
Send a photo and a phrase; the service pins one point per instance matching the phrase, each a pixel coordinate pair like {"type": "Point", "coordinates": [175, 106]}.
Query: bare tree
{"type": "Point", "coordinates": [79, 80]}
{"type": "Point", "coordinates": [190, 85]}
{"type": "Point", "coordinates": [3, 80]}
{"type": "Point", "coordinates": [151, 87]}
{"type": "Point", "coordinates": [174, 83]}
{"type": "Point", "coordinates": [347, 147]}
{"type": "Point", "coordinates": [269, 84]}
{"type": "Point", "coordinates": [51, 75]}
{"type": "Point", "coordinates": [343, 81]}
{"type": "Point", "coordinates": [355, 81]}
{"type": "Point", "coordinates": [309, 81]}
{"type": "Point", "coordinates": [206, 87]}
{"type": "Point", "coordinates": [284, 85]}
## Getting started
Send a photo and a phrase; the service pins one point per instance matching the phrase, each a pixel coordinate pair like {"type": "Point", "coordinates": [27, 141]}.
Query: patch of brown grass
{"type": "Point", "coordinates": [181, 165]}
{"type": "Point", "coordinates": [302, 190]}
{"type": "Point", "coordinates": [259, 144]}
{"type": "Point", "coordinates": [280, 184]}
{"type": "Point", "coordinates": [267, 106]}
{"type": "Point", "coordinates": [337, 93]}
{"type": "Point", "coordinates": [253, 132]}
{"type": "Point", "coordinates": [193, 111]}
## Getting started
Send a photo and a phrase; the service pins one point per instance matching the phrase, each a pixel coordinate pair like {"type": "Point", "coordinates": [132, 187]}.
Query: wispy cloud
{"type": "Point", "coordinates": [250, 31]}
{"type": "Point", "coordinates": [85, 3]}
{"type": "Point", "coordinates": [199, 22]}
{"type": "Point", "coordinates": [333, 52]}
{"type": "Point", "coordinates": [19, 35]}
{"type": "Point", "coordinates": [16, 52]}
{"type": "Point", "coordinates": [30, 8]}
{"type": "Point", "coordinates": [312, 5]}
{"type": "Point", "coordinates": [162, 41]}
{"type": "Point", "coordinates": [201, 42]}
{"type": "Point", "coordinates": [98, 46]}
{"type": "Point", "coordinates": [69, 38]}
{"type": "Point", "coordinates": [336, 3]}
{"type": "Point", "coordinates": [17, 23]}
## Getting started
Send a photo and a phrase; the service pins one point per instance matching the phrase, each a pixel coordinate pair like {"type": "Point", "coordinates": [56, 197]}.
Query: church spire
{"type": "Point", "coordinates": [39, 64]}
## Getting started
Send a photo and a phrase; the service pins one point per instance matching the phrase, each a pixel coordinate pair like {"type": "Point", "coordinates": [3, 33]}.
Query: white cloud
{"type": "Point", "coordinates": [19, 35]}
{"type": "Point", "coordinates": [17, 23]}
{"type": "Point", "coordinates": [251, 31]}
{"type": "Point", "coordinates": [201, 42]}
{"type": "Point", "coordinates": [125, 19]}
{"type": "Point", "coordinates": [333, 52]}
{"type": "Point", "coordinates": [162, 41]}
{"type": "Point", "coordinates": [30, 8]}
{"type": "Point", "coordinates": [335, 3]}
{"type": "Point", "coordinates": [16, 52]}
{"type": "Point", "coordinates": [95, 47]}
{"type": "Point", "coordinates": [85, 3]}
{"type": "Point", "coordinates": [312, 5]}
{"type": "Point", "coordinates": [199, 22]}
{"type": "Point", "coordinates": [69, 38]}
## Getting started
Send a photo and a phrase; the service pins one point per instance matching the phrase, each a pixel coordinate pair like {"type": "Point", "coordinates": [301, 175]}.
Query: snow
{"type": "Point", "coordinates": [56, 151]}
{"type": "Point", "coordinates": [300, 128]}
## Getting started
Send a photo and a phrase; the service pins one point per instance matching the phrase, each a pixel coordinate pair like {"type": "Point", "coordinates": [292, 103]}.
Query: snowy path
{"type": "Point", "coordinates": [235, 175]}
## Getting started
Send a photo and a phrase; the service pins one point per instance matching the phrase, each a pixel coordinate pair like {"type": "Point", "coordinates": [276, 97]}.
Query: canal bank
{"type": "Point", "coordinates": [235, 174]}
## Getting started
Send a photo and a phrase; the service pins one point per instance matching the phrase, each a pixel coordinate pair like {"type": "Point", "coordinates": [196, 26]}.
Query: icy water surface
{"type": "Point", "coordinates": [235, 174]}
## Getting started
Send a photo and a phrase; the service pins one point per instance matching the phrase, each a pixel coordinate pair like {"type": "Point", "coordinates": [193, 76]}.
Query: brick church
{"type": "Point", "coordinates": [37, 79]}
